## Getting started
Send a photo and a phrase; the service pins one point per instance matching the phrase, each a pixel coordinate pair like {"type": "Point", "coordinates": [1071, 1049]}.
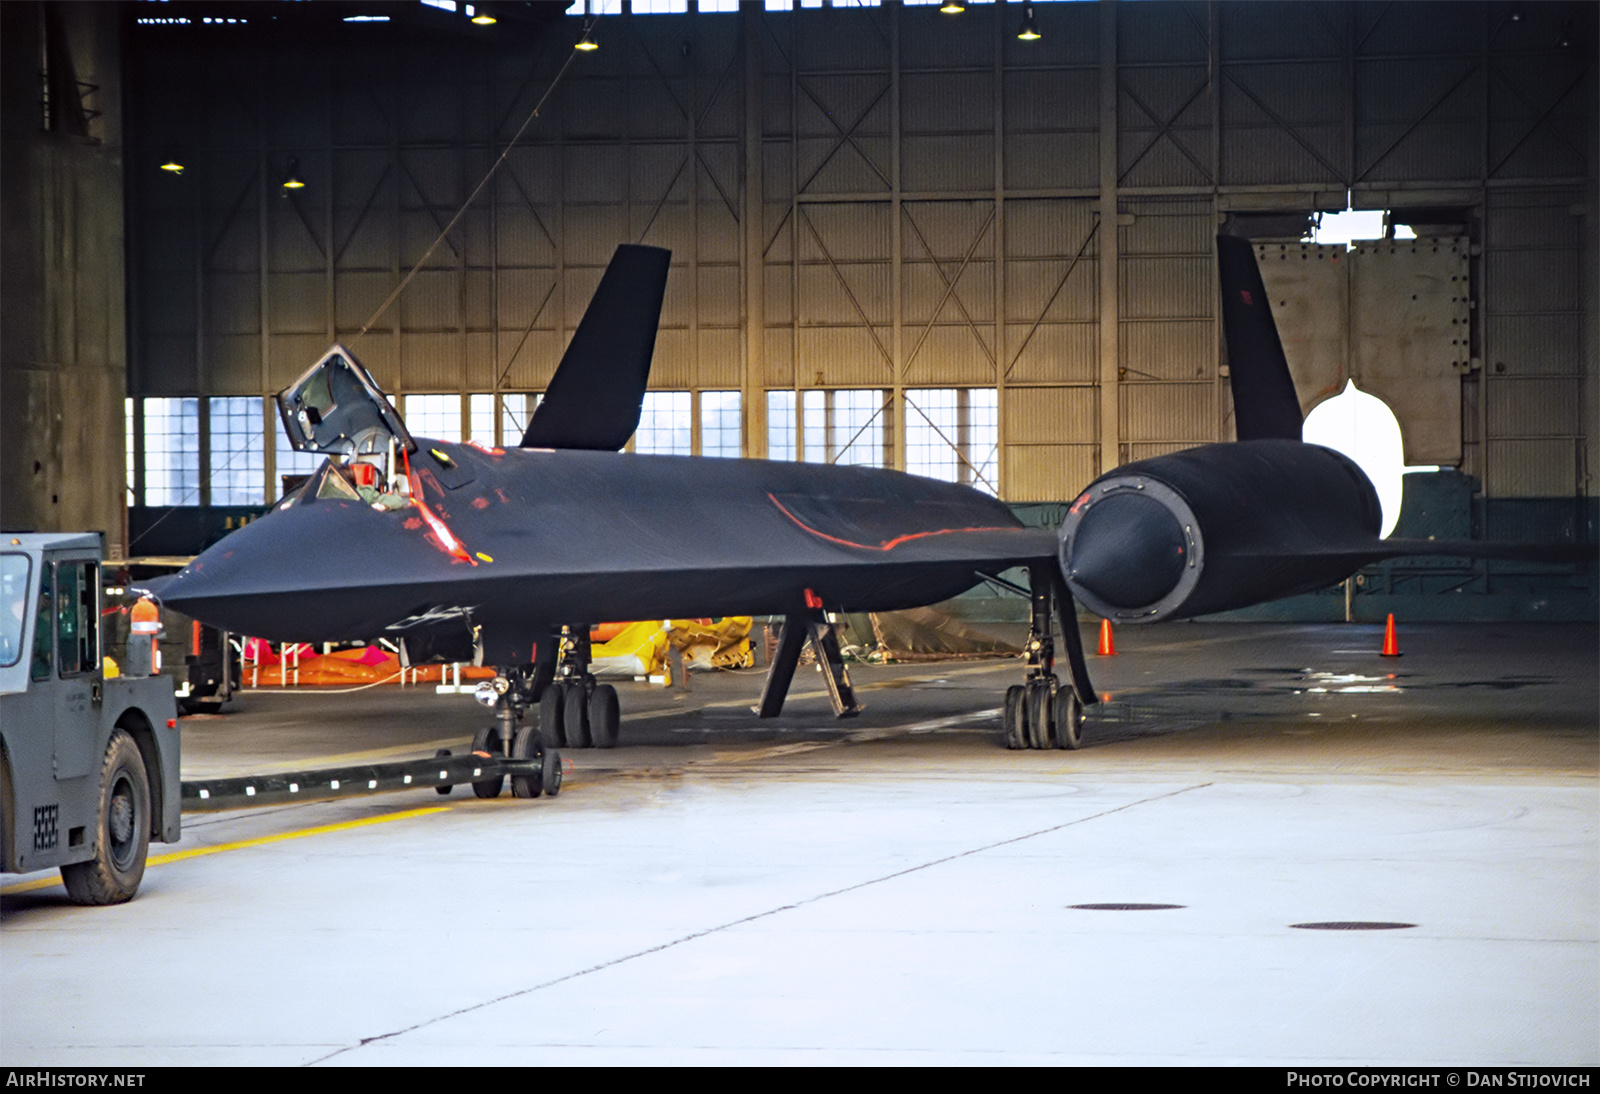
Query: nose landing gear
{"type": "Point", "coordinates": [540, 772]}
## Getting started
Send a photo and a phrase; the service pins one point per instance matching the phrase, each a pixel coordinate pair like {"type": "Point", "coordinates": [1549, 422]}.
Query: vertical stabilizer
{"type": "Point", "coordinates": [1264, 400]}
{"type": "Point", "coordinates": [594, 398]}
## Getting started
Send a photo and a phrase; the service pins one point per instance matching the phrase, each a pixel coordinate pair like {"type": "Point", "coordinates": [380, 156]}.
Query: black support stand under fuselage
{"type": "Point", "coordinates": [798, 630]}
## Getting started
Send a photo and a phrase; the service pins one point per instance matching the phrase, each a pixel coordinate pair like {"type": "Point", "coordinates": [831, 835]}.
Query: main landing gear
{"type": "Point", "coordinates": [1040, 712]}
{"type": "Point", "coordinates": [575, 710]}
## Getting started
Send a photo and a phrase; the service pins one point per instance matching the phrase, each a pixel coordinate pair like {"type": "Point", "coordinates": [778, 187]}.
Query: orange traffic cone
{"type": "Point", "coordinates": [1391, 648]}
{"type": "Point", "coordinates": [1107, 647]}
{"type": "Point", "coordinates": [144, 649]}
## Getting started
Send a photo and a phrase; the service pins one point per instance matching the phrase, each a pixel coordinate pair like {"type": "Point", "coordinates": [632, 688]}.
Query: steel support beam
{"type": "Point", "coordinates": [1109, 317]}
{"type": "Point", "coordinates": [752, 380]}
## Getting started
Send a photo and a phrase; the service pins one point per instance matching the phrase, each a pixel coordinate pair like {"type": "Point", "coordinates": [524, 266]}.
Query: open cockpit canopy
{"type": "Point", "coordinates": [336, 408]}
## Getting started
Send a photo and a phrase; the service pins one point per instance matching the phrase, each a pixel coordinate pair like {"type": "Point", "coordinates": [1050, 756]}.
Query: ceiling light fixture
{"type": "Point", "coordinates": [953, 7]}
{"type": "Point", "coordinates": [293, 180]}
{"type": "Point", "coordinates": [170, 163]}
{"type": "Point", "coordinates": [1030, 29]}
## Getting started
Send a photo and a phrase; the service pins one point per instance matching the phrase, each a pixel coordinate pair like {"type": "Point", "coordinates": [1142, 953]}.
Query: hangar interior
{"type": "Point", "coordinates": [900, 238]}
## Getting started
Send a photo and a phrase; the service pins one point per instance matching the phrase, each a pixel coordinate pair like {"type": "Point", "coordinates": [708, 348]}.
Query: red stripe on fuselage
{"type": "Point", "coordinates": [886, 545]}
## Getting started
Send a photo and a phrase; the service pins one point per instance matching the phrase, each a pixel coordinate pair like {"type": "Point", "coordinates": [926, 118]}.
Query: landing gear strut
{"type": "Point", "coordinates": [1040, 712]}
{"type": "Point", "coordinates": [512, 729]}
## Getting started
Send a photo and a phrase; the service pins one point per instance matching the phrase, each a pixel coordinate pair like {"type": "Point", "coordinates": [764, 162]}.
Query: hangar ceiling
{"type": "Point", "coordinates": [904, 200]}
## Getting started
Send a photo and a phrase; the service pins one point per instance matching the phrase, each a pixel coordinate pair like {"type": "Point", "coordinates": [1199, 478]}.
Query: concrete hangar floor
{"type": "Point", "coordinates": [892, 889]}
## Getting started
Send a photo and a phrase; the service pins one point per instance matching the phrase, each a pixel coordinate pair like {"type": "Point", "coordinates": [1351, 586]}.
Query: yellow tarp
{"type": "Point", "coordinates": [640, 649]}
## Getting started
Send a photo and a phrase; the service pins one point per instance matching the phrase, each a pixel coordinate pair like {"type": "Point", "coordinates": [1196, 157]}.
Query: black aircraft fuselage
{"type": "Point", "coordinates": [517, 540]}
{"type": "Point", "coordinates": [502, 556]}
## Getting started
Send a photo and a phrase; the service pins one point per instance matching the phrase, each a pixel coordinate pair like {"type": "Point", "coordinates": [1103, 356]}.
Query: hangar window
{"type": "Point", "coordinates": [292, 466]}
{"type": "Point", "coordinates": [515, 411]}
{"type": "Point", "coordinates": [171, 451]}
{"type": "Point", "coordinates": [480, 419]}
{"type": "Point", "coordinates": [437, 416]}
{"type": "Point", "coordinates": [846, 427]}
{"type": "Point", "coordinates": [720, 430]}
{"type": "Point", "coordinates": [666, 424]}
{"type": "Point", "coordinates": [238, 462]}
{"type": "Point", "coordinates": [954, 434]}
{"type": "Point", "coordinates": [780, 425]}
{"type": "Point", "coordinates": [128, 427]}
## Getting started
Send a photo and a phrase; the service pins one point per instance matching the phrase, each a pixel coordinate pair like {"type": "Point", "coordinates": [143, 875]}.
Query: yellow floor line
{"type": "Point", "coordinates": [196, 852]}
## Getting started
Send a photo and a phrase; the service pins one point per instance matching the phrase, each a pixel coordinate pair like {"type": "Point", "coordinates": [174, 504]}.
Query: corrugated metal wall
{"type": "Point", "coordinates": [900, 198]}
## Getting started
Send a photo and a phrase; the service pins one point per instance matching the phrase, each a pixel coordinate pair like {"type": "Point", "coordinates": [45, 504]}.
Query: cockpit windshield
{"type": "Point", "coordinates": [362, 480]}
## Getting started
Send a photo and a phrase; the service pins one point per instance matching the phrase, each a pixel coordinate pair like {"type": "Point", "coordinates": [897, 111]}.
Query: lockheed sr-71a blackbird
{"type": "Point", "coordinates": [505, 556]}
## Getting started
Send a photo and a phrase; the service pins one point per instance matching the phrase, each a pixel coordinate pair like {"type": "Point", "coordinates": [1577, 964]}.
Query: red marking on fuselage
{"type": "Point", "coordinates": [439, 535]}
{"type": "Point", "coordinates": [486, 450]}
{"type": "Point", "coordinates": [1244, 294]}
{"type": "Point", "coordinates": [501, 494]}
{"type": "Point", "coordinates": [412, 524]}
{"type": "Point", "coordinates": [886, 545]}
{"type": "Point", "coordinates": [480, 503]}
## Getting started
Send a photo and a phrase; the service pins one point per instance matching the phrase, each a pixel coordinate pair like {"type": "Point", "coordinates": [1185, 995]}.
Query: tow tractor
{"type": "Point", "coordinates": [89, 770]}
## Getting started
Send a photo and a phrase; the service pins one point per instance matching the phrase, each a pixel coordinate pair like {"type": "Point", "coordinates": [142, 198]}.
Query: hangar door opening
{"type": "Point", "coordinates": [1394, 315]}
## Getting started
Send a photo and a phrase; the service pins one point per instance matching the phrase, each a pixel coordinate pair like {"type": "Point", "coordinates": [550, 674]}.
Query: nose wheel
{"type": "Point", "coordinates": [488, 742]}
{"type": "Point", "coordinates": [514, 741]}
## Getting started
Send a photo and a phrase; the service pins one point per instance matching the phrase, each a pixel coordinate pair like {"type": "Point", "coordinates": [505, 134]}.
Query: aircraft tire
{"type": "Point", "coordinates": [552, 772]}
{"type": "Point", "coordinates": [528, 746]}
{"type": "Point", "coordinates": [604, 717]}
{"type": "Point", "coordinates": [575, 716]}
{"type": "Point", "coordinates": [443, 791]}
{"type": "Point", "coordinates": [1041, 715]}
{"type": "Point", "coordinates": [1014, 728]}
{"type": "Point", "coordinates": [550, 707]}
{"type": "Point", "coordinates": [1069, 719]}
{"type": "Point", "coordinates": [488, 740]}
{"type": "Point", "coordinates": [122, 837]}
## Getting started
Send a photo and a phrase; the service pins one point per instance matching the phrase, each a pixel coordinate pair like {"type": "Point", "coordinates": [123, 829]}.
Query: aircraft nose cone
{"type": "Point", "coordinates": [1128, 550]}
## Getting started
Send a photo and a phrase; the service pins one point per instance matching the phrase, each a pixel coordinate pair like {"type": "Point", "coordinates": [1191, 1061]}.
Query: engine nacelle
{"type": "Point", "coordinates": [1217, 527]}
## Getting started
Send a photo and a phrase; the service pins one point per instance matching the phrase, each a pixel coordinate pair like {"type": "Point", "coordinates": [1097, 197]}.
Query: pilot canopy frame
{"type": "Point", "coordinates": [335, 408]}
